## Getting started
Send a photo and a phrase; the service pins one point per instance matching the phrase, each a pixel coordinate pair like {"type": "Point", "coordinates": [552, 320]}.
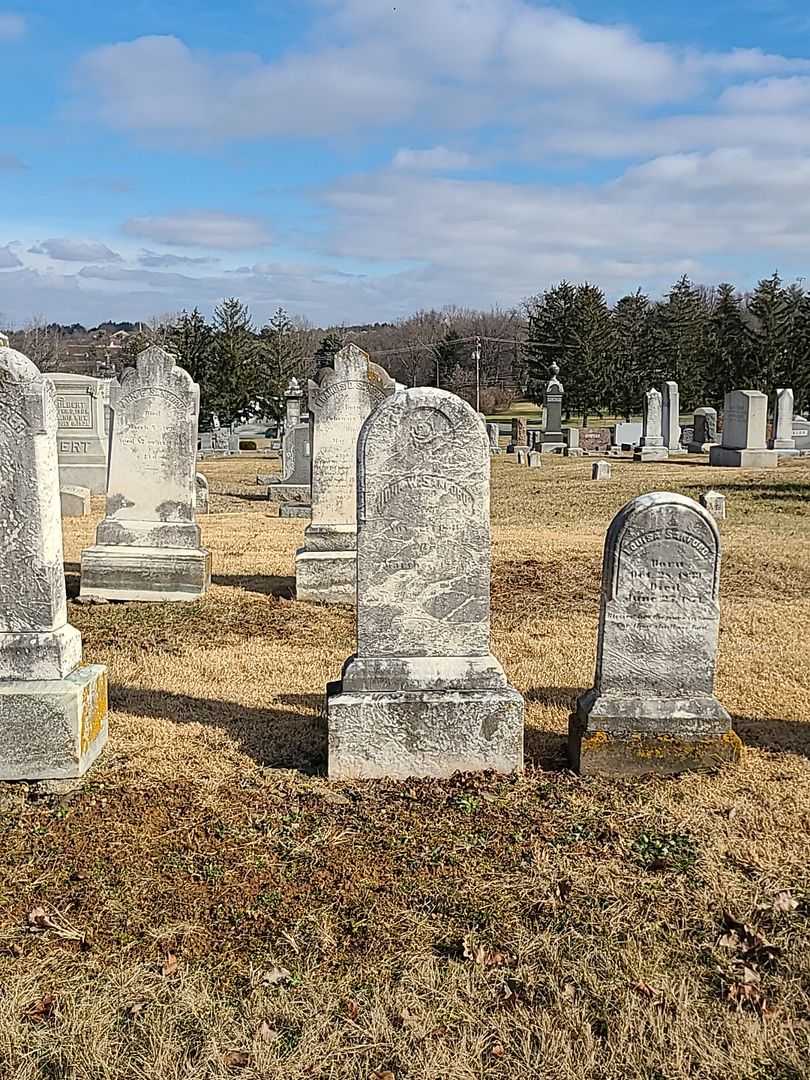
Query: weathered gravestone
{"type": "Point", "coordinates": [534, 459]}
{"type": "Point", "coordinates": [801, 432]}
{"type": "Point", "coordinates": [494, 432]}
{"type": "Point", "coordinates": [572, 448]}
{"type": "Point", "coordinates": [552, 438]}
{"type": "Point", "coordinates": [423, 696]}
{"type": "Point", "coordinates": [75, 501]}
{"type": "Point", "coordinates": [783, 424]}
{"type": "Point", "coordinates": [521, 455]}
{"type": "Point", "coordinates": [715, 503]}
{"type": "Point", "coordinates": [652, 441]}
{"type": "Point", "coordinates": [82, 405]}
{"type": "Point", "coordinates": [705, 431]}
{"type": "Point", "coordinates": [325, 568]}
{"type": "Point", "coordinates": [601, 470]}
{"type": "Point", "coordinates": [652, 708]}
{"type": "Point", "coordinates": [671, 417]}
{"type": "Point", "coordinates": [294, 483]}
{"type": "Point", "coordinates": [53, 710]}
{"type": "Point", "coordinates": [520, 434]}
{"type": "Point", "coordinates": [148, 545]}
{"type": "Point", "coordinates": [201, 493]}
{"type": "Point", "coordinates": [594, 440]}
{"type": "Point", "coordinates": [627, 434]}
{"type": "Point", "coordinates": [745, 420]}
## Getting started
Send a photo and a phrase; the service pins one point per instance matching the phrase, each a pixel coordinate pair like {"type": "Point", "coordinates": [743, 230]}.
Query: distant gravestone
{"type": "Point", "coordinates": [338, 404]}
{"type": "Point", "coordinates": [296, 460]}
{"type": "Point", "coordinates": [594, 440]}
{"type": "Point", "coordinates": [81, 438]}
{"type": "Point", "coordinates": [801, 433]}
{"type": "Point", "coordinates": [627, 434]}
{"type": "Point", "coordinates": [601, 470]}
{"type": "Point", "coordinates": [494, 433]}
{"type": "Point", "coordinates": [520, 434]}
{"type": "Point", "coordinates": [783, 423]}
{"type": "Point", "coordinates": [75, 501]}
{"type": "Point", "coordinates": [652, 708]}
{"type": "Point", "coordinates": [201, 491]}
{"type": "Point", "coordinates": [572, 447]}
{"type": "Point", "coordinates": [652, 446]}
{"type": "Point", "coordinates": [552, 438]}
{"type": "Point", "coordinates": [53, 711]}
{"type": "Point", "coordinates": [534, 459]}
{"type": "Point", "coordinates": [148, 545]}
{"type": "Point", "coordinates": [705, 431]}
{"type": "Point", "coordinates": [715, 503]}
{"type": "Point", "coordinates": [745, 420]}
{"type": "Point", "coordinates": [521, 455]}
{"type": "Point", "coordinates": [423, 696]}
{"type": "Point", "coordinates": [671, 417]}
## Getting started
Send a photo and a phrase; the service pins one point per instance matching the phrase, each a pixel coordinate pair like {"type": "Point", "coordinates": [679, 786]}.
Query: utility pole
{"type": "Point", "coordinates": [477, 358]}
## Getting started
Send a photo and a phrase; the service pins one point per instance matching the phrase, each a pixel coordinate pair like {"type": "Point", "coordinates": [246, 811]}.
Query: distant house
{"type": "Point", "coordinates": [118, 339]}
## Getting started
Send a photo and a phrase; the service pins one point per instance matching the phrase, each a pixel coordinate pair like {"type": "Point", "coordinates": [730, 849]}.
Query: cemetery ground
{"type": "Point", "coordinates": [209, 905]}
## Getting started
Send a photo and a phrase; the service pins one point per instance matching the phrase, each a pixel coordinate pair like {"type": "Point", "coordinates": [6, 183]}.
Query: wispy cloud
{"type": "Point", "coordinates": [66, 249]}
{"type": "Point", "coordinates": [201, 228]}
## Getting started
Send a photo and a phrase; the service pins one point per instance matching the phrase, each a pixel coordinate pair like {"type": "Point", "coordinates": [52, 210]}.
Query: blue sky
{"type": "Point", "coordinates": [355, 160]}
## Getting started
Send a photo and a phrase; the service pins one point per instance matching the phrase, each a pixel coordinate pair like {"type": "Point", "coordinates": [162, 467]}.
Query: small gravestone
{"type": "Point", "coordinates": [671, 418]}
{"type": "Point", "coordinates": [534, 459]}
{"type": "Point", "coordinates": [521, 455]}
{"type": "Point", "coordinates": [494, 433]}
{"type": "Point", "coordinates": [652, 708]}
{"type": "Point", "coordinates": [783, 439]}
{"type": "Point", "coordinates": [75, 501]}
{"type": "Point", "coordinates": [801, 433]}
{"type": "Point", "coordinates": [520, 434]}
{"type": "Point", "coordinates": [53, 710]}
{"type": "Point", "coordinates": [652, 446]}
{"type": "Point", "coordinates": [594, 440]}
{"type": "Point", "coordinates": [325, 568]}
{"type": "Point", "coordinates": [715, 503]}
{"type": "Point", "coordinates": [572, 447]}
{"type": "Point", "coordinates": [600, 470]}
{"type": "Point", "coordinates": [81, 439]}
{"type": "Point", "coordinates": [704, 435]}
{"type": "Point", "coordinates": [148, 545]}
{"type": "Point", "coordinates": [745, 420]}
{"type": "Point", "coordinates": [202, 495]}
{"type": "Point", "coordinates": [423, 696]}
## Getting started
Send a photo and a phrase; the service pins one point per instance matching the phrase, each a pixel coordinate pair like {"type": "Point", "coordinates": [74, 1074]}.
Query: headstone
{"type": "Point", "coordinates": [715, 503]}
{"type": "Point", "coordinates": [652, 441]}
{"type": "Point", "coordinates": [520, 434]}
{"type": "Point", "coordinates": [339, 403]}
{"type": "Point", "coordinates": [53, 710]}
{"type": "Point", "coordinates": [81, 402]}
{"type": "Point", "coordinates": [201, 492]}
{"type": "Point", "coordinates": [627, 434]}
{"type": "Point", "coordinates": [601, 470]}
{"type": "Point", "coordinates": [553, 440]}
{"type": "Point", "coordinates": [594, 440]}
{"type": "Point", "coordinates": [148, 545]}
{"type": "Point", "coordinates": [534, 459]}
{"type": "Point", "coordinates": [296, 458]}
{"type": "Point", "coordinates": [783, 423]}
{"type": "Point", "coordinates": [494, 433]}
{"type": "Point", "coordinates": [423, 696]}
{"type": "Point", "coordinates": [671, 417]}
{"type": "Point", "coordinates": [75, 501]}
{"type": "Point", "coordinates": [572, 447]}
{"type": "Point", "coordinates": [801, 433]}
{"type": "Point", "coordinates": [521, 455]}
{"type": "Point", "coordinates": [745, 419]}
{"type": "Point", "coordinates": [705, 431]}
{"type": "Point", "coordinates": [652, 708]}
{"type": "Point", "coordinates": [295, 510]}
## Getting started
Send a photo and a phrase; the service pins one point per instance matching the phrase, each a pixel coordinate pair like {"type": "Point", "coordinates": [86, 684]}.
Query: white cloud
{"type": "Point", "coordinates": [436, 159]}
{"type": "Point", "coordinates": [9, 258]}
{"type": "Point", "coordinates": [12, 26]}
{"type": "Point", "coordinates": [66, 249]}
{"type": "Point", "coordinates": [155, 260]}
{"type": "Point", "coordinates": [202, 228]}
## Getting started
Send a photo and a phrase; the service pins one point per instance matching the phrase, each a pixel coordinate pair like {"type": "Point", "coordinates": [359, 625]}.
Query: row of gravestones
{"type": "Point", "coordinates": [400, 522]}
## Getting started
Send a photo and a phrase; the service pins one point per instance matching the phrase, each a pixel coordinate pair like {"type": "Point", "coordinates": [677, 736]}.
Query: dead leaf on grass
{"type": "Point", "coordinates": [39, 921]}
{"type": "Point", "coordinates": [274, 976]}
{"type": "Point", "coordinates": [784, 903]}
{"type": "Point", "coordinates": [135, 1009]}
{"type": "Point", "coordinates": [483, 956]}
{"type": "Point", "coordinates": [169, 967]}
{"type": "Point", "coordinates": [42, 1011]}
{"type": "Point", "coordinates": [569, 991]}
{"type": "Point", "coordinates": [386, 1074]}
{"type": "Point", "coordinates": [236, 1059]}
{"type": "Point", "coordinates": [647, 991]}
{"type": "Point", "coordinates": [351, 1009]}
{"type": "Point", "coordinates": [266, 1034]}
{"type": "Point", "coordinates": [497, 1050]}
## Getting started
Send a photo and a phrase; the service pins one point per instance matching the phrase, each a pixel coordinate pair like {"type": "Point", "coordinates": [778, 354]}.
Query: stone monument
{"type": "Point", "coordinates": [494, 432]}
{"type": "Point", "coordinates": [745, 421]}
{"type": "Point", "coordinates": [783, 439]}
{"type": "Point", "coordinates": [534, 459]}
{"type": "Point", "coordinates": [53, 710]}
{"type": "Point", "coordinates": [82, 404]}
{"type": "Point", "coordinates": [652, 446]}
{"type": "Point", "coordinates": [553, 440]}
{"type": "Point", "coordinates": [202, 499]}
{"type": "Point", "coordinates": [148, 545]}
{"type": "Point", "coordinates": [600, 470]}
{"type": "Point", "coordinates": [75, 501]}
{"type": "Point", "coordinates": [652, 708]}
{"type": "Point", "coordinates": [671, 417]}
{"type": "Point", "coordinates": [339, 402]}
{"type": "Point", "coordinates": [520, 435]}
{"type": "Point", "coordinates": [294, 483]}
{"type": "Point", "coordinates": [705, 431]}
{"type": "Point", "coordinates": [423, 696]}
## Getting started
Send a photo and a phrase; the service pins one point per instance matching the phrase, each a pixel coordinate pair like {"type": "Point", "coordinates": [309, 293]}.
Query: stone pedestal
{"type": "Point", "coordinates": [650, 453]}
{"type": "Point", "coordinates": [160, 574]}
{"type": "Point", "coordinates": [725, 457]}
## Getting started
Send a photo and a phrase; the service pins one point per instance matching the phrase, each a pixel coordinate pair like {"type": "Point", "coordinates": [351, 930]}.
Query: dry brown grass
{"type": "Point", "coordinates": [222, 910]}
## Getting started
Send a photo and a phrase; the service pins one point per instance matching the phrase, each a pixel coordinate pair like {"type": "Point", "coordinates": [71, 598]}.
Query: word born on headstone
{"type": "Point", "coordinates": [325, 568]}
{"type": "Point", "coordinates": [148, 545]}
{"type": "Point", "coordinates": [652, 441]}
{"type": "Point", "coordinates": [81, 438]}
{"type": "Point", "coordinates": [745, 421]}
{"type": "Point", "coordinates": [423, 696]}
{"type": "Point", "coordinates": [652, 708]}
{"type": "Point", "coordinates": [53, 710]}
{"type": "Point", "coordinates": [705, 431]}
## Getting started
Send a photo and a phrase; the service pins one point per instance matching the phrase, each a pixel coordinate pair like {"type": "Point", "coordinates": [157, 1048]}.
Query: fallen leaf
{"type": "Point", "coordinates": [483, 956]}
{"type": "Point", "coordinates": [351, 1009]}
{"type": "Point", "coordinates": [169, 967]}
{"type": "Point", "coordinates": [569, 991]}
{"type": "Point", "coordinates": [274, 976]}
{"type": "Point", "coordinates": [266, 1034]}
{"type": "Point", "coordinates": [497, 1050]}
{"type": "Point", "coordinates": [386, 1074]}
{"type": "Point", "coordinates": [236, 1059]}
{"type": "Point", "coordinates": [784, 902]}
{"type": "Point", "coordinates": [41, 1011]}
{"type": "Point", "coordinates": [648, 991]}
{"type": "Point", "coordinates": [39, 919]}
{"type": "Point", "coordinates": [136, 1009]}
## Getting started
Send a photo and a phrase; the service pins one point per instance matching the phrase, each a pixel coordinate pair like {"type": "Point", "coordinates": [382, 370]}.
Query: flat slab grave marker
{"type": "Point", "coordinates": [652, 708]}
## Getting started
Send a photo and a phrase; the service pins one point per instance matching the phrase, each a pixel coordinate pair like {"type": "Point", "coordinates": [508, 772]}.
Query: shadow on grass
{"type": "Point", "coordinates": [771, 492]}
{"type": "Point", "coordinates": [779, 736]}
{"type": "Point", "coordinates": [267, 584]}
{"type": "Point", "coordinates": [73, 572]}
{"type": "Point", "coordinates": [275, 737]}
{"type": "Point", "coordinates": [548, 750]}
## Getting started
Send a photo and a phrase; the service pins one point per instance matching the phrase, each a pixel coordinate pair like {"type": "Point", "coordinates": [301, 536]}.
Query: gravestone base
{"type": "Point", "coordinates": [326, 577]}
{"type": "Point", "coordinates": [295, 510]}
{"type": "Point", "coordinates": [93, 477]}
{"type": "Point", "coordinates": [53, 729]}
{"type": "Point", "coordinates": [148, 574]}
{"type": "Point", "coordinates": [265, 479]}
{"type": "Point", "coordinates": [402, 733]}
{"type": "Point", "coordinates": [573, 451]}
{"type": "Point", "coordinates": [289, 493]}
{"type": "Point", "coordinates": [42, 655]}
{"type": "Point", "coordinates": [724, 457]}
{"type": "Point", "coordinates": [610, 736]}
{"type": "Point", "coordinates": [700, 448]}
{"type": "Point", "coordinates": [650, 453]}
{"type": "Point", "coordinates": [678, 451]}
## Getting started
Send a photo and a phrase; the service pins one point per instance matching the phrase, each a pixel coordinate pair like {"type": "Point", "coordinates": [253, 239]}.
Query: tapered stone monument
{"type": "Point", "coordinates": [339, 402]}
{"type": "Point", "coordinates": [148, 545]}
{"type": "Point", "coordinates": [652, 708]}
{"type": "Point", "coordinates": [520, 435]}
{"type": "Point", "coordinates": [745, 422]}
{"type": "Point", "coordinates": [552, 439]}
{"type": "Point", "coordinates": [494, 432]}
{"type": "Point", "coordinates": [652, 441]}
{"type": "Point", "coordinates": [671, 418]}
{"type": "Point", "coordinates": [783, 439]}
{"type": "Point", "coordinates": [294, 484]}
{"type": "Point", "coordinates": [423, 696]}
{"type": "Point", "coordinates": [53, 710]}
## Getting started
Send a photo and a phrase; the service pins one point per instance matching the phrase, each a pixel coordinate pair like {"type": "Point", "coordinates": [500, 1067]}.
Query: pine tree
{"type": "Point", "coordinates": [449, 354]}
{"type": "Point", "coordinates": [325, 353]}
{"type": "Point", "coordinates": [680, 328]}
{"type": "Point", "coordinates": [631, 365]}
{"type": "Point", "coordinates": [728, 355]}
{"type": "Point", "coordinates": [585, 378]}
{"type": "Point", "coordinates": [235, 384]}
{"type": "Point", "coordinates": [771, 313]}
{"type": "Point", "coordinates": [282, 357]}
{"type": "Point", "coordinates": [551, 335]}
{"type": "Point", "coordinates": [191, 340]}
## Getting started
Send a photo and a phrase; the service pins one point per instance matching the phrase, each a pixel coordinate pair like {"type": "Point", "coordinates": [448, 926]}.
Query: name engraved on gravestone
{"type": "Point", "coordinates": [74, 412]}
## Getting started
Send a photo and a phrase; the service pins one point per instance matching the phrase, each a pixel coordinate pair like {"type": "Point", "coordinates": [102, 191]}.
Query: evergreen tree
{"type": "Point", "coordinates": [191, 339]}
{"type": "Point", "coordinates": [449, 354]}
{"type": "Point", "coordinates": [551, 336]}
{"type": "Point", "coordinates": [680, 327]}
{"type": "Point", "coordinates": [282, 357]}
{"type": "Point", "coordinates": [325, 353]}
{"type": "Point", "coordinates": [727, 365]}
{"type": "Point", "coordinates": [235, 383]}
{"type": "Point", "coordinates": [797, 370]}
{"type": "Point", "coordinates": [772, 313]}
{"type": "Point", "coordinates": [631, 365]}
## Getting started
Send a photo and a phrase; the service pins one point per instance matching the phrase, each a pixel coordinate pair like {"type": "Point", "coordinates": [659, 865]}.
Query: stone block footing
{"type": "Point", "coordinates": [140, 573]}
{"type": "Point", "coordinates": [650, 453]}
{"type": "Point", "coordinates": [743, 459]}
{"type": "Point", "coordinates": [53, 729]}
{"type": "Point", "coordinates": [433, 734]}
{"type": "Point", "coordinates": [285, 493]}
{"type": "Point", "coordinates": [608, 737]}
{"type": "Point", "coordinates": [295, 510]}
{"type": "Point", "coordinates": [326, 577]}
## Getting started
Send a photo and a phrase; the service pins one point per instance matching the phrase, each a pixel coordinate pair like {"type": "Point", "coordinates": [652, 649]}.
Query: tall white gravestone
{"type": "Point", "coordinates": [423, 696]}
{"type": "Point", "coordinates": [82, 405]}
{"type": "Point", "coordinates": [296, 461]}
{"type": "Point", "coordinates": [652, 441]}
{"type": "Point", "coordinates": [671, 417]}
{"type": "Point", "coordinates": [53, 710]}
{"type": "Point", "coordinates": [783, 439]}
{"type": "Point", "coordinates": [745, 423]}
{"type": "Point", "coordinates": [325, 568]}
{"type": "Point", "coordinates": [652, 708]}
{"type": "Point", "coordinates": [148, 545]}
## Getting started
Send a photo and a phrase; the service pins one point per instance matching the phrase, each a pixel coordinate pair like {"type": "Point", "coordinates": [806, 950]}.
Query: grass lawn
{"type": "Point", "coordinates": [210, 906]}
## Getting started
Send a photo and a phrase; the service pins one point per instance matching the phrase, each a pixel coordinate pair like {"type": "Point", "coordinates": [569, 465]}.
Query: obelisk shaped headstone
{"type": "Point", "coordinates": [148, 545]}
{"type": "Point", "coordinates": [339, 403]}
{"type": "Point", "coordinates": [783, 423]}
{"type": "Point", "coordinates": [553, 439]}
{"type": "Point", "coordinates": [424, 696]}
{"type": "Point", "coordinates": [652, 441]}
{"type": "Point", "coordinates": [53, 712]}
{"type": "Point", "coordinates": [671, 417]}
{"type": "Point", "coordinates": [652, 708]}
